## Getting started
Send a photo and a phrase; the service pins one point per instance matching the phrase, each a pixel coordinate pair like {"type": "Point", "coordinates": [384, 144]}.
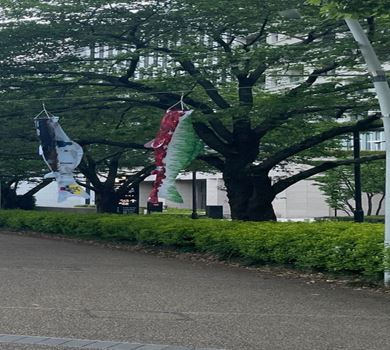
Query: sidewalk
{"type": "Point", "coordinates": [57, 289]}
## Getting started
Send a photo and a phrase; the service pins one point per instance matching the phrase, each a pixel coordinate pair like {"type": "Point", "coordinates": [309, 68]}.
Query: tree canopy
{"type": "Point", "coordinates": [267, 89]}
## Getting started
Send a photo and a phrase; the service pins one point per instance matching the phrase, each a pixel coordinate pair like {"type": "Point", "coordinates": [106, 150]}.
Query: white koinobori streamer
{"type": "Point", "coordinates": [62, 156]}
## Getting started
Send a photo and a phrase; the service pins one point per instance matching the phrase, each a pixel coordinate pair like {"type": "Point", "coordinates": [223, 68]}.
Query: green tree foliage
{"type": "Point", "coordinates": [338, 189]}
{"type": "Point", "coordinates": [353, 8]}
{"type": "Point", "coordinates": [220, 55]}
{"type": "Point", "coordinates": [17, 162]}
{"type": "Point", "coordinates": [338, 186]}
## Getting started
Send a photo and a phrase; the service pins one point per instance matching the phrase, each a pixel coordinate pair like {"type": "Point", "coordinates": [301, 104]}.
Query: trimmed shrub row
{"type": "Point", "coordinates": [370, 219]}
{"type": "Point", "coordinates": [339, 247]}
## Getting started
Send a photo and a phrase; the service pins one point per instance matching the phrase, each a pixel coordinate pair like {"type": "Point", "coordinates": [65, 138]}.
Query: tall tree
{"type": "Point", "coordinates": [263, 86]}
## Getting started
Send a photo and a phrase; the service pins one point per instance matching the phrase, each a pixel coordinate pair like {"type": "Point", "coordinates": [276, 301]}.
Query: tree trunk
{"type": "Point", "coordinates": [380, 204]}
{"type": "Point", "coordinates": [106, 201]}
{"type": "Point", "coordinates": [8, 197]}
{"type": "Point", "coordinates": [369, 203]}
{"type": "Point", "coordinates": [250, 196]}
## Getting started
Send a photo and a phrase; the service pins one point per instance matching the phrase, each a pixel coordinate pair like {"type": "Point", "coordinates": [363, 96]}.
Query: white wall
{"type": "Point", "coordinates": [216, 194]}
{"type": "Point", "coordinates": [184, 188]}
{"type": "Point", "coordinates": [302, 200]}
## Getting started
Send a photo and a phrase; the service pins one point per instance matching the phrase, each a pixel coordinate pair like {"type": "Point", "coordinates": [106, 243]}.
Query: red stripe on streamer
{"type": "Point", "coordinates": [160, 144]}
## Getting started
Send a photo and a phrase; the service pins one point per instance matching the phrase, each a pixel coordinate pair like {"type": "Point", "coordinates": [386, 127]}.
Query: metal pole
{"type": "Point", "coordinates": [194, 214]}
{"type": "Point", "coordinates": [386, 124]}
{"type": "Point", "coordinates": [358, 213]}
{"type": "Point", "coordinates": [382, 90]}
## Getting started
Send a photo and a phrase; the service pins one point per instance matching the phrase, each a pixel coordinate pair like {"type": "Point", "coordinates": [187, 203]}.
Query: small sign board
{"type": "Point", "coordinates": [129, 204]}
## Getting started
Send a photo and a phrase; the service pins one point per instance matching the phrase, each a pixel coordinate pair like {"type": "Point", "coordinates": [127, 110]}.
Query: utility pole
{"type": "Point", "coordinates": [358, 213]}
{"type": "Point", "coordinates": [194, 214]}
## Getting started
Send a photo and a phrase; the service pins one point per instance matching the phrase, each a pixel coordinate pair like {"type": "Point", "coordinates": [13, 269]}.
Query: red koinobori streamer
{"type": "Point", "coordinates": [175, 147]}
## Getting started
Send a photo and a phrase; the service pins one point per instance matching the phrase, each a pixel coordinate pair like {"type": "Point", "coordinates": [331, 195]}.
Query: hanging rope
{"type": "Point", "coordinates": [183, 106]}
{"type": "Point", "coordinates": [43, 111]}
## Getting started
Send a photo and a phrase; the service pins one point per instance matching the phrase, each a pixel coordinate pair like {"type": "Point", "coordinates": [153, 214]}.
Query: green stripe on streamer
{"type": "Point", "coordinates": [184, 147]}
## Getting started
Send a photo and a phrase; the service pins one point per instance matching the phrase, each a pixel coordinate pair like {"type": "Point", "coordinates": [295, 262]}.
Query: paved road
{"type": "Point", "coordinates": [53, 288]}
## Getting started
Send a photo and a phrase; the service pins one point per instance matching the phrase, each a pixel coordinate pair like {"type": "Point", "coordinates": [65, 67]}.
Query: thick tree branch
{"type": "Point", "coordinates": [245, 91]}
{"type": "Point", "coordinates": [315, 140]}
{"type": "Point", "coordinates": [86, 142]}
{"type": "Point", "coordinates": [229, 54]}
{"type": "Point", "coordinates": [166, 98]}
{"type": "Point", "coordinates": [211, 139]}
{"type": "Point", "coordinates": [134, 179]}
{"type": "Point", "coordinates": [220, 129]}
{"type": "Point", "coordinates": [207, 85]}
{"type": "Point", "coordinates": [113, 166]}
{"type": "Point", "coordinates": [87, 167]}
{"type": "Point", "coordinates": [256, 74]}
{"type": "Point", "coordinates": [283, 184]}
{"type": "Point", "coordinates": [315, 74]}
{"type": "Point", "coordinates": [83, 184]}
{"type": "Point", "coordinates": [132, 68]}
{"type": "Point", "coordinates": [278, 120]}
{"type": "Point", "coordinates": [312, 35]}
{"type": "Point", "coordinates": [257, 36]}
{"type": "Point", "coordinates": [37, 188]}
{"type": "Point", "coordinates": [213, 160]}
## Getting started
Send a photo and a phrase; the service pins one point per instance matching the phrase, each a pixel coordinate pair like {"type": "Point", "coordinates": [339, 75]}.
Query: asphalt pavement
{"type": "Point", "coordinates": [58, 289]}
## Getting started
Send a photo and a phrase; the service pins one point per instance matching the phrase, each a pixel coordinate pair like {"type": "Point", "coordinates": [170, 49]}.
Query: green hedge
{"type": "Point", "coordinates": [339, 247]}
{"type": "Point", "coordinates": [368, 219]}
